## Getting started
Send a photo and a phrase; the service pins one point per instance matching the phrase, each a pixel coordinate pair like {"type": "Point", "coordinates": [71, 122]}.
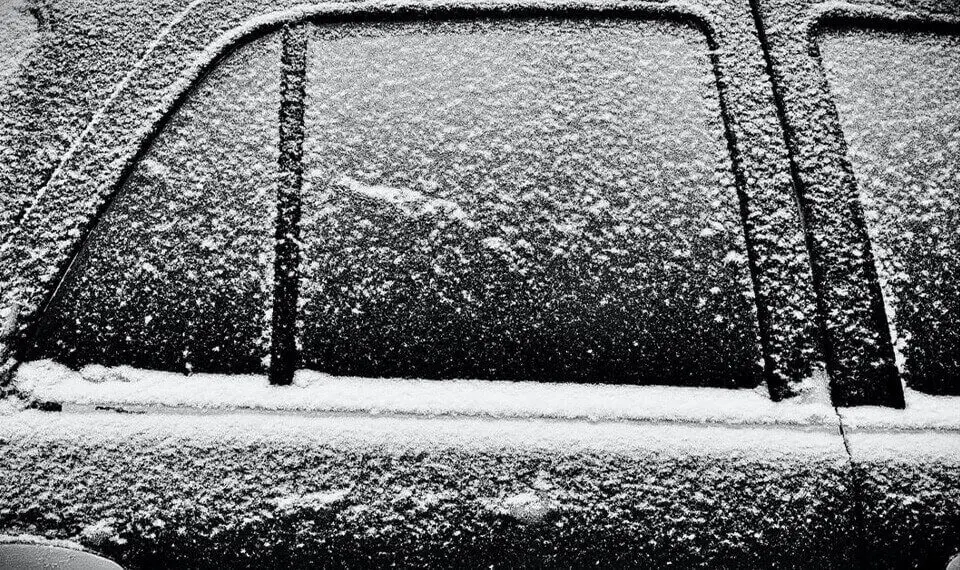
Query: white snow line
{"type": "Point", "coordinates": [223, 432]}
{"type": "Point", "coordinates": [408, 201]}
{"type": "Point", "coordinates": [923, 412]}
{"type": "Point", "coordinates": [126, 387]}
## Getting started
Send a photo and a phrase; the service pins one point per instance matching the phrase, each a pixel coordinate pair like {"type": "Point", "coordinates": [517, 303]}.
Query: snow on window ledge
{"type": "Point", "coordinates": [312, 392]}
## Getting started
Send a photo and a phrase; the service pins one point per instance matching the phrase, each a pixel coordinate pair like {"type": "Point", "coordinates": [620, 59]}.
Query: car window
{"type": "Point", "coordinates": [177, 274]}
{"type": "Point", "coordinates": [898, 97]}
{"type": "Point", "coordinates": [522, 199]}
{"type": "Point", "coordinates": [528, 199]}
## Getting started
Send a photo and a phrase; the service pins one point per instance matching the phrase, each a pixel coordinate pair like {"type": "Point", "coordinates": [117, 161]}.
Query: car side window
{"type": "Point", "coordinates": [898, 96]}
{"type": "Point", "coordinates": [177, 274]}
{"type": "Point", "coordinates": [541, 199]}
{"type": "Point", "coordinates": [544, 199]}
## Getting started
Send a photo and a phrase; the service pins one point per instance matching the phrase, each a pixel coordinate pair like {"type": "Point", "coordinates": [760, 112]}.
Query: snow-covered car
{"type": "Point", "coordinates": [482, 283]}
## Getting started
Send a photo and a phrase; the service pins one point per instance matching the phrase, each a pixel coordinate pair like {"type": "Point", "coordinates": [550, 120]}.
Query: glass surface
{"type": "Point", "coordinates": [177, 275]}
{"type": "Point", "coordinates": [522, 199]}
{"type": "Point", "coordinates": [898, 96]}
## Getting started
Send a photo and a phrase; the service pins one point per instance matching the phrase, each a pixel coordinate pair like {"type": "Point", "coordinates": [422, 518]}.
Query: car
{"type": "Point", "coordinates": [482, 284]}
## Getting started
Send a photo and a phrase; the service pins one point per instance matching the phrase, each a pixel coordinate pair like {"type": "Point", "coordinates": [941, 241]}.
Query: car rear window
{"type": "Point", "coordinates": [898, 97]}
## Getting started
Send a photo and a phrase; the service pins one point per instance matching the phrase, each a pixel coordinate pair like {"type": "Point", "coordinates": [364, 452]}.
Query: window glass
{"type": "Point", "coordinates": [177, 274]}
{"type": "Point", "coordinates": [522, 199]}
{"type": "Point", "coordinates": [898, 97]}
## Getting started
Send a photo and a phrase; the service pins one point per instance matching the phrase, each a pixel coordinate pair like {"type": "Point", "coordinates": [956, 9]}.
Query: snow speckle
{"type": "Point", "coordinates": [99, 532]}
{"type": "Point", "coordinates": [529, 508]}
{"type": "Point", "coordinates": [408, 201]}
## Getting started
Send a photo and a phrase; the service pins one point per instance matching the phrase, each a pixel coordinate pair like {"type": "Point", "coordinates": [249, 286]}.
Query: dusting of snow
{"type": "Point", "coordinates": [97, 373]}
{"type": "Point", "coordinates": [178, 274]}
{"type": "Point", "coordinates": [863, 361]}
{"type": "Point", "coordinates": [433, 487]}
{"type": "Point", "coordinates": [191, 487]}
{"type": "Point", "coordinates": [231, 429]}
{"type": "Point", "coordinates": [555, 175]}
{"type": "Point", "coordinates": [898, 96]}
{"type": "Point", "coordinates": [127, 387]}
{"type": "Point", "coordinates": [922, 449]}
{"type": "Point", "coordinates": [130, 73]}
{"type": "Point", "coordinates": [148, 55]}
{"type": "Point", "coordinates": [18, 38]}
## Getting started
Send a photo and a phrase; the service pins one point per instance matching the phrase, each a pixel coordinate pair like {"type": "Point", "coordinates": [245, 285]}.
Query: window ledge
{"type": "Point", "coordinates": [312, 392]}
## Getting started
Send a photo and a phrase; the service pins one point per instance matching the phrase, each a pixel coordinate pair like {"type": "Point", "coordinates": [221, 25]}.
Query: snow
{"type": "Point", "coordinates": [131, 389]}
{"type": "Point", "coordinates": [104, 61]}
{"type": "Point", "coordinates": [652, 475]}
{"type": "Point", "coordinates": [99, 532]}
{"type": "Point", "coordinates": [527, 507]}
{"type": "Point", "coordinates": [126, 387]}
{"type": "Point", "coordinates": [898, 95]}
{"type": "Point", "coordinates": [922, 412]}
{"type": "Point", "coordinates": [18, 38]}
{"type": "Point", "coordinates": [182, 487]}
{"type": "Point", "coordinates": [926, 452]}
{"type": "Point", "coordinates": [233, 429]}
{"type": "Point", "coordinates": [810, 93]}
{"type": "Point", "coordinates": [318, 501]}
{"type": "Point", "coordinates": [554, 179]}
{"type": "Point", "coordinates": [39, 541]}
{"type": "Point", "coordinates": [178, 274]}
{"type": "Point", "coordinates": [99, 91]}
